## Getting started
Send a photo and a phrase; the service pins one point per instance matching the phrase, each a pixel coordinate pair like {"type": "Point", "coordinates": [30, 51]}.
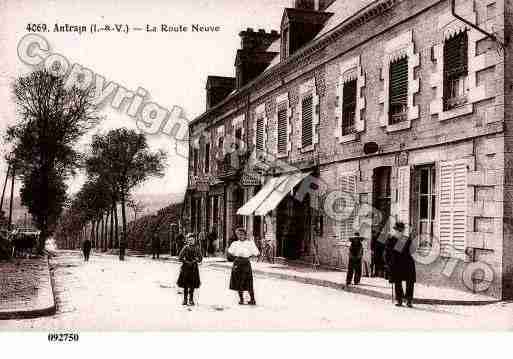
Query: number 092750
{"type": "Point", "coordinates": [63, 337]}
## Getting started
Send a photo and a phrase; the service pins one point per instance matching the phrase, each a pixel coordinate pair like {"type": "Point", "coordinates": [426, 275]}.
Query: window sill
{"type": "Point", "coordinates": [282, 155]}
{"type": "Point", "coordinates": [307, 149]}
{"type": "Point", "coordinates": [348, 138]}
{"type": "Point", "coordinates": [403, 125]}
{"type": "Point", "coordinates": [457, 112]}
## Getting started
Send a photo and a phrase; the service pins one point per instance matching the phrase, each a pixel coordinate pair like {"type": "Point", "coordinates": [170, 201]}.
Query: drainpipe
{"type": "Point", "coordinates": [491, 36]}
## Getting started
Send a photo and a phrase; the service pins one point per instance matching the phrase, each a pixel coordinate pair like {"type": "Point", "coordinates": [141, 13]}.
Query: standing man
{"type": "Point", "coordinates": [211, 239]}
{"type": "Point", "coordinates": [86, 249]}
{"type": "Point", "coordinates": [180, 241]}
{"type": "Point", "coordinates": [355, 259]}
{"type": "Point", "coordinates": [400, 264]}
{"type": "Point", "coordinates": [155, 245]}
{"type": "Point", "coordinates": [202, 237]}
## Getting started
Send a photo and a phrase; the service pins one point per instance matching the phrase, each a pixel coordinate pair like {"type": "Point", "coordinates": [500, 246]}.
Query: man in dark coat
{"type": "Point", "coordinates": [155, 245]}
{"type": "Point", "coordinates": [400, 264]}
{"type": "Point", "coordinates": [211, 238]}
{"type": "Point", "coordinates": [355, 259]}
{"type": "Point", "coordinates": [86, 249]}
{"type": "Point", "coordinates": [179, 242]}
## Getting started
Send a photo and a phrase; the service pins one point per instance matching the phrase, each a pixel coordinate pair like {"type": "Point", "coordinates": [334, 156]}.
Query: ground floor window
{"type": "Point", "coordinates": [425, 190]}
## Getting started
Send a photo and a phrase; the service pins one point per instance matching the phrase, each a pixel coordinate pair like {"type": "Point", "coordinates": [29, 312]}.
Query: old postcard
{"type": "Point", "coordinates": [240, 165]}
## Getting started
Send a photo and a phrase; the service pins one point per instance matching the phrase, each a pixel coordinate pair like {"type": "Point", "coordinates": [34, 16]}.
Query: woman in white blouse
{"type": "Point", "coordinates": [241, 278]}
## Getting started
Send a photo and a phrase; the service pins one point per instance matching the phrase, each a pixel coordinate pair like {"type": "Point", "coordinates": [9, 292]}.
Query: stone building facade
{"type": "Point", "coordinates": [363, 113]}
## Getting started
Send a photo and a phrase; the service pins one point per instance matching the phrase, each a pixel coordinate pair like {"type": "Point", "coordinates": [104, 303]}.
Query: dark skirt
{"type": "Point", "coordinates": [242, 275]}
{"type": "Point", "coordinates": [189, 276]}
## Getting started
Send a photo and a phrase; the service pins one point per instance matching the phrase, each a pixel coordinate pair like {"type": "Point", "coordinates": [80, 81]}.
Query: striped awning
{"type": "Point", "coordinates": [271, 194]}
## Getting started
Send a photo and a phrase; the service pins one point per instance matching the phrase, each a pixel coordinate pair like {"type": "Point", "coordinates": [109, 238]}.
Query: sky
{"type": "Point", "coordinates": [171, 67]}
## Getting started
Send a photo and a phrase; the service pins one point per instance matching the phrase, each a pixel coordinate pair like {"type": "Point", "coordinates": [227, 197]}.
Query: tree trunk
{"type": "Point", "coordinates": [111, 244]}
{"type": "Point", "coordinates": [102, 231]}
{"type": "Point", "coordinates": [106, 232]}
{"type": "Point", "coordinates": [13, 170]}
{"type": "Point", "coordinates": [116, 224]}
{"type": "Point", "coordinates": [93, 243]}
{"type": "Point", "coordinates": [5, 185]}
{"type": "Point", "coordinates": [97, 234]}
{"type": "Point", "coordinates": [123, 219]}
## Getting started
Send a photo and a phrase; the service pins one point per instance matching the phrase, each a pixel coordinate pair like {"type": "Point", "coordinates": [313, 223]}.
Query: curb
{"type": "Point", "coordinates": [359, 289]}
{"type": "Point", "coordinates": [35, 313]}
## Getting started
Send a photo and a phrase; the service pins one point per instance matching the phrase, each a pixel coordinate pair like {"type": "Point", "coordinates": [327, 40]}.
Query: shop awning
{"type": "Point", "coordinates": [283, 187]}
{"type": "Point", "coordinates": [250, 206]}
{"type": "Point", "coordinates": [271, 194]}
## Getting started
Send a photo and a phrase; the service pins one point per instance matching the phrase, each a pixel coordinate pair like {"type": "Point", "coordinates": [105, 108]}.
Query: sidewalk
{"type": "Point", "coordinates": [373, 287]}
{"type": "Point", "coordinates": [26, 289]}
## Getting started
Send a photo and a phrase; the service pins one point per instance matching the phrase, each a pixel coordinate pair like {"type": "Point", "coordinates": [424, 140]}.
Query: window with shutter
{"type": "Point", "coordinates": [282, 129]}
{"type": "Point", "coordinates": [425, 196]}
{"type": "Point", "coordinates": [260, 133]}
{"type": "Point", "coordinates": [207, 157]}
{"type": "Point", "coordinates": [452, 208]}
{"type": "Point", "coordinates": [348, 107]}
{"type": "Point", "coordinates": [398, 88]}
{"type": "Point", "coordinates": [347, 184]}
{"type": "Point", "coordinates": [307, 121]}
{"type": "Point", "coordinates": [455, 70]}
{"type": "Point", "coordinates": [195, 160]}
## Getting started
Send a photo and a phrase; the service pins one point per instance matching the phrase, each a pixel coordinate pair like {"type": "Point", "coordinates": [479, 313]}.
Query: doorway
{"type": "Point", "coordinates": [293, 230]}
{"type": "Point", "coordinates": [381, 202]}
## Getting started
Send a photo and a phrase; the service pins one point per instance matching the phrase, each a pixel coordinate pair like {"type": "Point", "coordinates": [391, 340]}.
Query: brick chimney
{"type": "Point", "coordinates": [300, 24]}
{"type": "Point", "coordinates": [253, 58]}
{"type": "Point", "coordinates": [218, 88]}
{"type": "Point", "coordinates": [319, 5]}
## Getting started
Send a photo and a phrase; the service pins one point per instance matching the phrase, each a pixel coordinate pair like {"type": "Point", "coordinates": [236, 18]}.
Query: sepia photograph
{"type": "Point", "coordinates": [325, 166]}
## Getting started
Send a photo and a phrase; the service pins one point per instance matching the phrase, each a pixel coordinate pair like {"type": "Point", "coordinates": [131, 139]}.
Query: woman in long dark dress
{"type": "Point", "coordinates": [241, 278]}
{"type": "Point", "coordinates": [189, 278]}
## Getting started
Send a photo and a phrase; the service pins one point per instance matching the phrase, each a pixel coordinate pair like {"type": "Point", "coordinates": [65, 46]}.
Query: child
{"type": "Point", "coordinates": [189, 278]}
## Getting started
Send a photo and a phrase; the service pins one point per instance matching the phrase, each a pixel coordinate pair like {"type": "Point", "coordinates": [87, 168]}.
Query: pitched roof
{"type": "Point", "coordinates": [342, 10]}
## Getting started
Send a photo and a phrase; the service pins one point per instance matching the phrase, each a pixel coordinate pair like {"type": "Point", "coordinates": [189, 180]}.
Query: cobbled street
{"type": "Point", "coordinates": [141, 294]}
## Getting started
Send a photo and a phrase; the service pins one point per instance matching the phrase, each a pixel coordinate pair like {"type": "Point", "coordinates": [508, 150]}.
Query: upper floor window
{"type": "Point", "coordinates": [195, 153]}
{"type": "Point", "coordinates": [398, 91]}
{"type": "Point", "coordinates": [455, 70]}
{"type": "Point", "coordinates": [207, 157]}
{"type": "Point", "coordinates": [307, 121]}
{"type": "Point", "coordinates": [349, 107]}
{"type": "Point", "coordinates": [260, 133]}
{"type": "Point", "coordinates": [282, 128]}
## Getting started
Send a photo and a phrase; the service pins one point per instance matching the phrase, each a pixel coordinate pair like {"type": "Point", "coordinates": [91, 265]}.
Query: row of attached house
{"type": "Point", "coordinates": [356, 114]}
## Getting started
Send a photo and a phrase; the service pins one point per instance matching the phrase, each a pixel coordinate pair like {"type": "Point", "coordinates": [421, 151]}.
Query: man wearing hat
{"type": "Point", "coordinates": [355, 259]}
{"type": "Point", "coordinates": [400, 264]}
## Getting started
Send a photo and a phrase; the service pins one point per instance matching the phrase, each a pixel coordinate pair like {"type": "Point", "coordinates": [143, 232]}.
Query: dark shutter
{"type": "Point", "coordinates": [260, 133]}
{"type": "Point", "coordinates": [282, 129]}
{"type": "Point", "coordinates": [455, 68]}
{"type": "Point", "coordinates": [348, 107]}
{"type": "Point", "coordinates": [307, 120]}
{"type": "Point", "coordinates": [456, 56]}
{"type": "Point", "coordinates": [195, 160]}
{"type": "Point", "coordinates": [207, 157]}
{"type": "Point", "coordinates": [398, 88]}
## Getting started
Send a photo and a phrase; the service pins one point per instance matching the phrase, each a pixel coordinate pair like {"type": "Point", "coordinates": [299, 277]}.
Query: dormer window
{"type": "Point", "coordinates": [285, 44]}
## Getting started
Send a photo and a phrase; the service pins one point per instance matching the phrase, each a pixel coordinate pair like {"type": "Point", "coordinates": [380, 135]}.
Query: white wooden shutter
{"type": "Point", "coordinates": [452, 209]}
{"type": "Point", "coordinates": [347, 183]}
{"type": "Point", "coordinates": [403, 195]}
{"type": "Point", "coordinates": [360, 102]}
